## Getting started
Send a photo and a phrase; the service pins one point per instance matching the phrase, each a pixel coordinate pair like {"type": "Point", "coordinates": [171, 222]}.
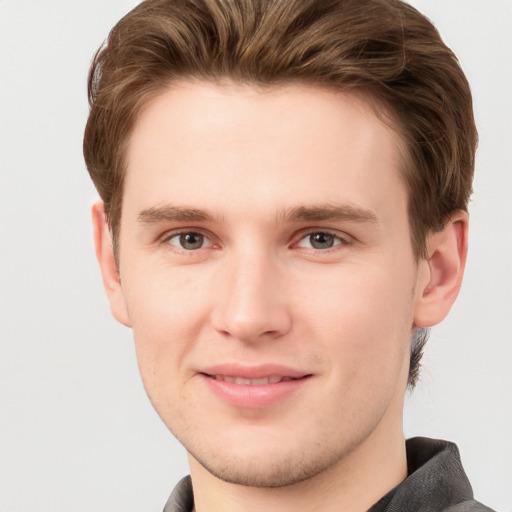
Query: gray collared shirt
{"type": "Point", "coordinates": [436, 482]}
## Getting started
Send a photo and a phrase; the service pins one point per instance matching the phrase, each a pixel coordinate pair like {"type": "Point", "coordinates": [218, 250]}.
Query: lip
{"type": "Point", "coordinates": [254, 395]}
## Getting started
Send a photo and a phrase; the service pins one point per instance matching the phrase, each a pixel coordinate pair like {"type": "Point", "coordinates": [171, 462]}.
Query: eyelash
{"type": "Point", "coordinates": [174, 234]}
{"type": "Point", "coordinates": [344, 240]}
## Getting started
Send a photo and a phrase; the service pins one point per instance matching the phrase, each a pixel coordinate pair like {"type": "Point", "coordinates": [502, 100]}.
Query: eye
{"type": "Point", "coordinates": [190, 241]}
{"type": "Point", "coordinates": [320, 240]}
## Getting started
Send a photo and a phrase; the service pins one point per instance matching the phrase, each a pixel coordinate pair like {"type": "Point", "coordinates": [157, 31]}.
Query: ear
{"type": "Point", "coordinates": [108, 265]}
{"type": "Point", "coordinates": [440, 274]}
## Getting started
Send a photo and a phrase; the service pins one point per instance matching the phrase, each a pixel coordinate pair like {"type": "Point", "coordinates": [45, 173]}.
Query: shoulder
{"type": "Point", "coordinates": [469, 506]}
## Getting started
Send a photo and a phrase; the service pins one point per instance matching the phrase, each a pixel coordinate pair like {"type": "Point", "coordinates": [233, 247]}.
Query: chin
{"type": "Point", "coordinates": [270, 466]}
{"type": "Point", "coordinates": [278, 473]}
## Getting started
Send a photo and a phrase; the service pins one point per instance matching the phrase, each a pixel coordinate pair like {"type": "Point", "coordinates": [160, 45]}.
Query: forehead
{"type": "Point", "coordinates": [232, 146]}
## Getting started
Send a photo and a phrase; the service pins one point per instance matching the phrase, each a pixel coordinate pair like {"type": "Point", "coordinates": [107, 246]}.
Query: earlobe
{"type": "Point", "coordinates": [440, 274]}
{"type": "Point", "coordinates": [108, 265]}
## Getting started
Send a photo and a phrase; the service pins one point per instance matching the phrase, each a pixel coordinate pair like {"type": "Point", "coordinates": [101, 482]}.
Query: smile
{"type": "Point", "coordinates": [253, 387]}
{"type": "Point", "coordinates": [244, 381]}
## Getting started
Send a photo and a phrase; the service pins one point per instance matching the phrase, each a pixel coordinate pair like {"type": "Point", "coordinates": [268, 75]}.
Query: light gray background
{"type": "Point", "coordinates": [77, 432]}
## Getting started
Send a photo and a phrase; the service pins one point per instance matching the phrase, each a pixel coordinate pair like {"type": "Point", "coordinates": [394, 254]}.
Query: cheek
{"type": "Point", "coordinates": [168, 310]}
{"type": "Point", "coordinates": [364, 318]}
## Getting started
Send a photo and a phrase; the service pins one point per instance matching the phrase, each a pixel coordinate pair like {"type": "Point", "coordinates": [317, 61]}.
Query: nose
{"type": "Point", "coordinates": [251, 304]}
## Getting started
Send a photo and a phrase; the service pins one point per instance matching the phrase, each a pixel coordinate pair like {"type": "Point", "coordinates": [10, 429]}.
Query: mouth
{"type": "Point", "coordinates": [254, 387]}
{"type": "Point", "coordinates": [260, 381]}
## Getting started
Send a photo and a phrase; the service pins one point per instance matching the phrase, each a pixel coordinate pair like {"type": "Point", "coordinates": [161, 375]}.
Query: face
{"type": "Point", "coordinates": [268, 275]}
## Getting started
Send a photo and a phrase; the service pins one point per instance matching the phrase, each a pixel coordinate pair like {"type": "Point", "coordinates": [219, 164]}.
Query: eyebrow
{"type": "Point", "coordinates": [327, 212]}
{"type": "Point", "coordinates": [314, 213]}
{"type": "Point", "coordinates": [168, 213]}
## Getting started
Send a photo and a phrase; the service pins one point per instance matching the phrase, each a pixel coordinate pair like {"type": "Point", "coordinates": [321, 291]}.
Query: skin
{"type": "Point", "coordinates": [262, 290]}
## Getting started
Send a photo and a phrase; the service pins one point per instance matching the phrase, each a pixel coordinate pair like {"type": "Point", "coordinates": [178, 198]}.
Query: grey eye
{"type": "Point", "coordinates": [321, 240]}
{"type": "Point", "coordinates": [189, 241]}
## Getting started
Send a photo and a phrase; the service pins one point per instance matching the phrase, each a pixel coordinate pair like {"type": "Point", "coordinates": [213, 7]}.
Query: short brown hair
{"type": "Point", "coordinates": [384, 49]}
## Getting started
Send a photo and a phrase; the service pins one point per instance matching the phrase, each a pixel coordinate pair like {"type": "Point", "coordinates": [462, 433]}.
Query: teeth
{"type": "Point", "coordinates": [262, 381]}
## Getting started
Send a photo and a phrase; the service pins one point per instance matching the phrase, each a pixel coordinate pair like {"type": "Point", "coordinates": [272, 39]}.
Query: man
{"type": "Point", "coordinates": [284, 188]}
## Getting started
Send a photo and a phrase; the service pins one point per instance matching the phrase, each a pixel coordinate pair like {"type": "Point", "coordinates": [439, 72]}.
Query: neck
{"type": "Point", "coordinates": [352, 484]}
